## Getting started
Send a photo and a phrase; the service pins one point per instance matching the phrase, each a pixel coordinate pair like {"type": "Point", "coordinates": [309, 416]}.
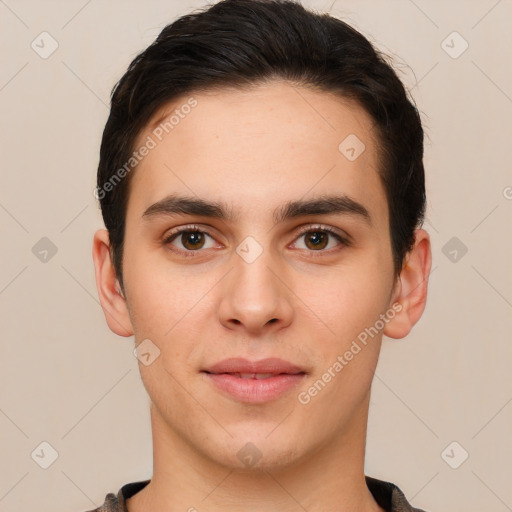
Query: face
{"type": "Point", "coordinates": [247, 277]}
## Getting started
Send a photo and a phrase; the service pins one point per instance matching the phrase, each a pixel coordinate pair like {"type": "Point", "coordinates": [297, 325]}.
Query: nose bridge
{"type": "Point", "coordinates": [254, 294]}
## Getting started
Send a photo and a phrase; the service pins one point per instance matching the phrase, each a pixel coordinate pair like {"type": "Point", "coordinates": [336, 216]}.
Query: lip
{"type": "Point", "coordinates": [241, 365]}
{"type": "Point", "coordinates": [251, 390]}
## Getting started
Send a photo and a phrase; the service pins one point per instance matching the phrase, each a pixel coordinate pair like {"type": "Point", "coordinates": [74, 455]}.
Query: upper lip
{"type": "Point", "coordinates": [240, 365]}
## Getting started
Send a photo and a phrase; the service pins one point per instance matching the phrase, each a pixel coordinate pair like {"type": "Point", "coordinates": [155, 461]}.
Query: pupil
{"type": "Point", "coordinates": [317, 238]}
{"type": "Point", "coordinates": [193, 238]}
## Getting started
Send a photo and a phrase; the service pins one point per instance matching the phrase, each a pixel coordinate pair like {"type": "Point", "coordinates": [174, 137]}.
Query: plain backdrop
{"type": "Point", "coordinates": [441, 408]}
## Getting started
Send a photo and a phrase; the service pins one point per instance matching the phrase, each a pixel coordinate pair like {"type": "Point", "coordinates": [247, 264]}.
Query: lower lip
{"type": "Point", "coordinates": [255, 390]}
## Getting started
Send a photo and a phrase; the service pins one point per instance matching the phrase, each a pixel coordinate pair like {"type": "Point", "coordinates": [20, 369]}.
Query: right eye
{"type": "Point", "coordinates": [191, 238]}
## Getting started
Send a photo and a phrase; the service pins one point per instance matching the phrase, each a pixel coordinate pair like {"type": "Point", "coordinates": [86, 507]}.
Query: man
{"type": "Point", "coordinates": [262, 186]}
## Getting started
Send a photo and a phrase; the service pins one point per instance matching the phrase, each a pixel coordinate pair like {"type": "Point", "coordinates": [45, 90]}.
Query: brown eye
{"type": "Point", "coordinates": [189, 240]}
{"type": "Point", "coordinates": [192, 240]}
{"type": "Point", "coordinates": [316, 239]}
{"type": "Point", "coordinates": [320, 240]}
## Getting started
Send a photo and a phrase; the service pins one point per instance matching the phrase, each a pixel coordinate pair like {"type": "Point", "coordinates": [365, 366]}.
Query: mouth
{"type": "Point", "coordinates": [248, 369]}
{"type": "Point", "coordinates": [254, 381]}
{"type": "Point", "coordinates": [257, 376]}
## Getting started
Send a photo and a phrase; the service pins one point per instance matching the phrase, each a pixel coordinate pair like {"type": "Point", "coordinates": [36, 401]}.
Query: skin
{"type": "Point", "coordinates": [255, 150]}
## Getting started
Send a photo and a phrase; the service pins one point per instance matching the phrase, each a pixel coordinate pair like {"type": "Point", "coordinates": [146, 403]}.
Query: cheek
{"type": "Point", "coordinates": [349, 304]}
{"type": "Point", "coordinates": [160, 295]}
{"type": "Point", "coordinates": [346, 301]}
{"type": "Point", "coordinates": [172, 308]}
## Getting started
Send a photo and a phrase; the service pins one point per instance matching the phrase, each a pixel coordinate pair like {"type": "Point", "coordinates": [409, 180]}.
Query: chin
{"type": "Point", "coordinates": [257, 451]}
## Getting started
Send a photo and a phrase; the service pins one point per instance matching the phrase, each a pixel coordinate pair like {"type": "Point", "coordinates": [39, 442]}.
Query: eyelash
{"type": "Point", "coordinates": [345, 241]}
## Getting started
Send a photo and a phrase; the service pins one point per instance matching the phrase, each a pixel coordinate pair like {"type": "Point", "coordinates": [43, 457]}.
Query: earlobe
{"type": "Point", "coordinates": [111, 297]}
{"type": "Point", "coordinates": [411, 288]}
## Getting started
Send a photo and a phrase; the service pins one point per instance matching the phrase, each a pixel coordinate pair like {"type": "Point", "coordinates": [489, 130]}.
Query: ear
{"type": "Point", "coordinates": [410, 290]}
{"type": "Point", "coordinates": [111, 297]}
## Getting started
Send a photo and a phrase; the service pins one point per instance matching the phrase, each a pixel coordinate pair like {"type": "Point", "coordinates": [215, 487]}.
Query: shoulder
{"type": "Point", "coordinates": [116, 502]}
{"type": "Point", "coordinates": [111, 504]}
{"type": "Point", "coordinates": [389, 496]}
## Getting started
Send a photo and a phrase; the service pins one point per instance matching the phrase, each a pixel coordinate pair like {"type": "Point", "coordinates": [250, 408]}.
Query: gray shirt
{"type": "Point", "coordinates": [386, 494]}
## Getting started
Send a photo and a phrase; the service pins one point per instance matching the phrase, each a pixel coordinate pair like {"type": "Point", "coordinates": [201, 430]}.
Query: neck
{"type": "Point", "coordinates": [330, 478]}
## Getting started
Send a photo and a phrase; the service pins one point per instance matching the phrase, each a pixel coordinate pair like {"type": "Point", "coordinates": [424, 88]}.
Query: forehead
{"type": "Point", "coordinates": [259, 147]}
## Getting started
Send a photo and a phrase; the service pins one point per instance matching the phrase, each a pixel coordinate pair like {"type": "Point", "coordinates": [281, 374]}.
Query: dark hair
{"type": "Point", "coordinates": [238, 43]}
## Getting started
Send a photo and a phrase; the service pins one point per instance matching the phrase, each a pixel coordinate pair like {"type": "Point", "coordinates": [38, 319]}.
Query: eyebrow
{"type": "Point", "coordinates": [324, 205]}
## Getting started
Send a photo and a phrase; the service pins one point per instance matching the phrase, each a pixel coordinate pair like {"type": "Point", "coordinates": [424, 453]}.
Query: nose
{"type": "Point", "coordinates": [255, 297]}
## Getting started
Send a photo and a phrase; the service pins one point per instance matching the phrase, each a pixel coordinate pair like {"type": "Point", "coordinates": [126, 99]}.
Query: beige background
{"type": "Point", "coordinates": [67, 380]}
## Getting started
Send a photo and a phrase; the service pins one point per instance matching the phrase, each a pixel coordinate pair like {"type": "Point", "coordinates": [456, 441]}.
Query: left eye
{"type": "Point", "coordinates": [319, 239]}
